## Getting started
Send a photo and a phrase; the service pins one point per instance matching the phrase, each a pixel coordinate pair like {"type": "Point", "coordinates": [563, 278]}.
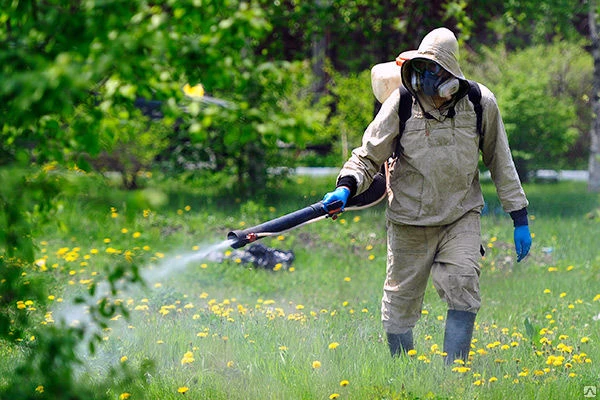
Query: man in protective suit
{"type": "Point", "coordinates": [434, 194]}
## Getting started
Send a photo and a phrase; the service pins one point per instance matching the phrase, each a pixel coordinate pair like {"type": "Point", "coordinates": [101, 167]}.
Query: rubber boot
{"type": "Point", "coordinates": [400, 343]}
{"type": "Point", "coordinates": [457, 335]}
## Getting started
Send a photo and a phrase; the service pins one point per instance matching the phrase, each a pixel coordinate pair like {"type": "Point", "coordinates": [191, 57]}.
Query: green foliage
{"type": "Point", "coordinates": [352, 101]}
{"type": "Point", "coordinates": [49, 352]}
{"type": "Point", "coordinates": [526, 23]}
{"type": "Point", "coordinates": [544, 106]}
{"type": "Point", "coordinates": [76, 71]}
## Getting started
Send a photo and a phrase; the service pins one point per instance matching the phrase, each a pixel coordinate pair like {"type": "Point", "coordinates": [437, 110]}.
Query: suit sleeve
{"type": "Point", "coordinates": [498, 159]}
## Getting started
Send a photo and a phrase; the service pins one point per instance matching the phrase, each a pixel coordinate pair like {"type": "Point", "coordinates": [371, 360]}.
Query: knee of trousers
{"type": "Point", "coordinates": [400, 314]}
{"type": "Point", "coordinates": [459, 291]}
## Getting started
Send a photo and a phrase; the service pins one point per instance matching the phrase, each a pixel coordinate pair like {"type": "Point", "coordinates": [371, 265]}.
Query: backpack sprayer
{"type": "Point", "coordinates": [373, 195]}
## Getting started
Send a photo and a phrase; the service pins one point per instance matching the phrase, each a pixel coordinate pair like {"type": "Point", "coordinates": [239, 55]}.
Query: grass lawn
{"type": "Point", "coordinates": [208, 329]}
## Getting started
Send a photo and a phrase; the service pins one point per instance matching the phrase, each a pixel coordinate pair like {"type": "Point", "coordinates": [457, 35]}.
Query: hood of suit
{"type": "Point", "coordinates": [440, 46]}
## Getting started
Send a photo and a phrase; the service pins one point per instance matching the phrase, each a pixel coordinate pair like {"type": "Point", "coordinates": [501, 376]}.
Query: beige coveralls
{"type": "Point", "coordinates": [434, 199]}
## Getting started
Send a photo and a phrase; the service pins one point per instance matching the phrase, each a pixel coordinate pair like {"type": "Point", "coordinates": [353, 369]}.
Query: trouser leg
{"type": "Point", "coordinates": [455, 274]}
{"type": "Point", "coordinates": [408, 267]}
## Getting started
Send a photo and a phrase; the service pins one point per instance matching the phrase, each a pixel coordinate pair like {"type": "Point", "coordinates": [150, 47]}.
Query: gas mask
{"type": "Point", "coordinates": [432, 79]}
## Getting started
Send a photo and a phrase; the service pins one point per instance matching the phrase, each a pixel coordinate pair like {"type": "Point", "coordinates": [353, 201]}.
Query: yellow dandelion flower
{"type": "Point", "coordinates": [347, 279]}
{"type": "Point", "coordinates": [344, 383]}
{"type": "Point", "coordinates": [39, 389]}
{"type": "Point", "coordinates": [492, 379]}
{"type": "Point", "coordinates": [547, 291]}
{"type": "Point", "coordinates": [230, 364]}
{"type": "Point", "coordinates": [412, 353]}
{"type": "Point", "coordinates": [188, 358]}
{"type": "Point", "coordinates": [570, 268]}
{"type": "Point", "coordinates": [461, 369]}
{"type": "Point", "coordinates": [123, 359]}
{"type": "Point", "coordinates": [333, 345]}
{"type": "Point", "coordinates": [334, 396]}
{"type": "Point", "coordinates": [563, 294]}
{"type": "Point", "coordinates": [183, 389]}
{"type": "Point", "coordinates": [136, 235]}
{"type": "Point", "coordinates": [585, 339]}
{"type": "Point", "coordinates": [316, 364]}
{"type": "Point", "coordinates": [124, 396]}
{"type": "Point", "coordinates": [596, 297]}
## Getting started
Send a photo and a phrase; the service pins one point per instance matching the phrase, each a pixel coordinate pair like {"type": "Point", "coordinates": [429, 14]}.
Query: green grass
{"type": "Point", "coordinates": [257, 334]}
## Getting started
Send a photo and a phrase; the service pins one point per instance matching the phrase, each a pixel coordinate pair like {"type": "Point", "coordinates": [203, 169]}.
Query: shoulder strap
{"type": "Point", "coordinates": [404, 112]}
{"type": "Point", "coordinates": [475, 98]}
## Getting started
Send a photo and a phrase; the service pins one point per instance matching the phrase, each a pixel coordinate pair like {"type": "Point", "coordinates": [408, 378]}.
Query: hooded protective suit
{"type": "Point", "coordinates": [434, 195]}
{"type": "Point", "coordinates": [435, 180]}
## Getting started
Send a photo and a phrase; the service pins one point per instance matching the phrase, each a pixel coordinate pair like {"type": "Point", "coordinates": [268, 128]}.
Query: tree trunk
{"type": "Point", "coordinates": [594, 163]}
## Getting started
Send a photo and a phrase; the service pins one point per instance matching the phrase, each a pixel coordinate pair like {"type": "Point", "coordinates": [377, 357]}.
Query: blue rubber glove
{"type": "Point", "coordinates": [340, 194]}
{"type": "Point", "coordinates": [522, 238]}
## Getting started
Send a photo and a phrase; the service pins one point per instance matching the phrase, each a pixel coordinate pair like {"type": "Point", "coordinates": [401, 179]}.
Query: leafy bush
{"type": "Point", "coordinates": [543, 94]}
{"type": "Point", "coordinates": [351, 102]}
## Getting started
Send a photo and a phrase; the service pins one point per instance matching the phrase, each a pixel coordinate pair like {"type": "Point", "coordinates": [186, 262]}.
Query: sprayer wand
{"type": "Point", "coordinates": [373, 195]}
{"type": "Point", "coordinates": [300, 217]}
